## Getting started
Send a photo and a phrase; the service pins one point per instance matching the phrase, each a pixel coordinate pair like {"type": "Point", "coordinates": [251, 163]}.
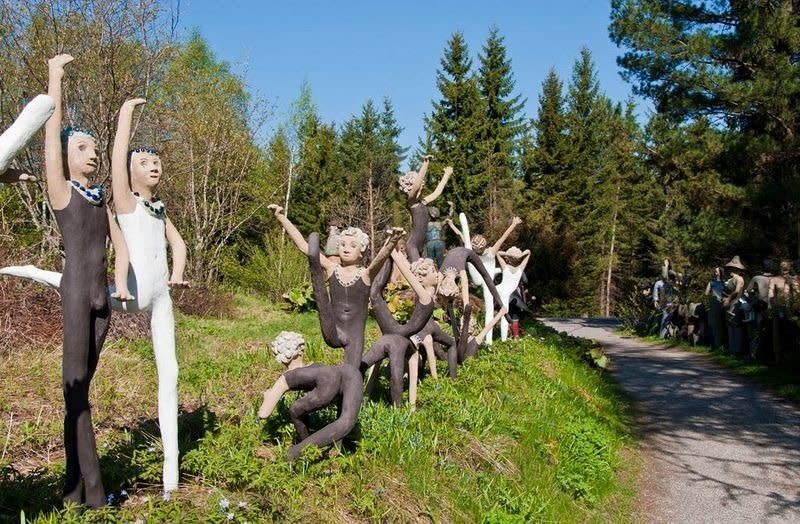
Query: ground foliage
{"type": "Point", "coordinates": [529, 431]}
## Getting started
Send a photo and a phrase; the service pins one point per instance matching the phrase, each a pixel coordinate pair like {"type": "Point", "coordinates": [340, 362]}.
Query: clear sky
{"type": "Point", "coordinates": [350, 51]}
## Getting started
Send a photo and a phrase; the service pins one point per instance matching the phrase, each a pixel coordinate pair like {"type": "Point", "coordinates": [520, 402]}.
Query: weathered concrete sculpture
{"type": "Point", "coordinates": [512, 265]}
{"type": "Point", "coordinates": [735, 287]}
{"type": "Point", "coordinates": [324, 385]}
{"type": "Point", "coordinates": [411, 184]}
{"type": "Point", "coordinates": [343, 308]}
{"type": "Point", "coordinates": [85, 222]}
{"type": "Point", "coordinates": [16, 137]}
{"type": "Point", "coordinates": [715, 289]}
{"type": "Point", "coordinates": [783, 290]}
{"type": "Point", "coordinates": [488, 256]}
{"type": "Point", "coordinates": [146, 230]}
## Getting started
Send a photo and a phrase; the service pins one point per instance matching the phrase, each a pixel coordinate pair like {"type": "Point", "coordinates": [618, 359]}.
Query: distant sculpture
{"type": "Point", "coordinates": [488, 255]}
{"type": "Point", "coordinates": [715, 289]}
{"type": "Point", "coordinates": [411, 184]}
{"type": "Point", "coordinates": [512, 265]}
{"type": "Point", "coordinates": [735, 313]}
{"type": "Point", "coordinates": [757, 295]}
{"type": "Point", "coordinates": [783, 291]}
{"type": "Point", "coordinates": [332, 242]}
{"type": "Point", "coordinates": [434, 237]}
{"type": "Point", "coordinates": [343, 308]}
{"type": "Point", "coordinates": [664, 297]}
{"type": "Point", "coordinates": [15, 138]}
{"type": "Point", "coordinates": [324, 385]}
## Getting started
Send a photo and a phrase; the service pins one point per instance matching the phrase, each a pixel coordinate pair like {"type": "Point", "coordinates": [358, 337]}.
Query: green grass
{"type": "Point", "coordinates": [528, 432]}
{"type": "Point", "coordinates": [783, 379]}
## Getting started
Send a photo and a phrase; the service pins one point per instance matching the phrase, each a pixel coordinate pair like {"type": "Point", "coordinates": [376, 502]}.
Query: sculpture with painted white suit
{"type": "Point", "coordinates": [489, 258]}
{"type": "Point", "coordinates": [512, 266]}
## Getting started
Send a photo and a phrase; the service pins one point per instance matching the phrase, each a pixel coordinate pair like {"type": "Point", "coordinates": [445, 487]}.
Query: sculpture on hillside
{"type": "Point", "coordinates": [324, 385]}
{"type": "Point", "coordinates": [343, 307]}
{"type": "Point", "coordinates": [411, 184]}
{"type": "Point", "coordinates": [783, 292]}
{"type": "Point", "coordinates": [147, 230]}
{"type": "Point", "coordinates": [512, 266]}
{"type": "Point", "coordinates": [396, 341]}
{"type": "Point", "coordinates": [488, 255]}
{"type": "Point", "coordinates": [15, 138]}
{"type": "Point", "coordinates": [85, 222]}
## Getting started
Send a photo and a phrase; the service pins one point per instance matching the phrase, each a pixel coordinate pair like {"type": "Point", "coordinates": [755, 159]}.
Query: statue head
{"type": "Point", "coordinates": [411, 183]}
{"type": "Point", "coordinates": [353, 243]}
{"type": "Point", "coordinates": [79, 152]}
{"type": "Point", "coordinates": [719, 273]}
{"type": "Point", "coordinates": [144, 167]}
{"type": "Point", "coordinates": [478, 244]}
{"type": "Point", "coordinates": [433, 212]}
{"type": "Point", "coordinates": [786, 267]}
{"type": "Point", "coordinates": [425, 271]}
{"type": "Point", "coordinates": [288, 346]}
{"type": "Point", "coordinates": [514, 255]}
{"type": "Point", "coordinates": [448, 287]}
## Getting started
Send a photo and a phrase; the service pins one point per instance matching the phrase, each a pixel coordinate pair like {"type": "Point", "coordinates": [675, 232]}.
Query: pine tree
{"type": "Point", "coordinates": [452, 127]}
{"type": "Point", "coordinates": [500, 130]}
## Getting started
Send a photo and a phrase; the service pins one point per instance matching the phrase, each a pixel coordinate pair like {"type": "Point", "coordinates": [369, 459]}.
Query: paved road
{"type": "Point", "coordinates": [717, 449]}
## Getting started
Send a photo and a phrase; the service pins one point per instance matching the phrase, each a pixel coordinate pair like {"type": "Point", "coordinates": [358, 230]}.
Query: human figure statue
{"type": "Point", "coordinates": [715, 289]}
{"type": "Point", "coordinates": [146, 230]}
{"type": "Point", "coordinates": [411, 184]}
{"type": "Point", "coordinates": [664, 297]}
{"type": "Point", "coordinates": [324, 385]}
{"type": "Point", "coordinates": [395, 342]}
{"type": "Point", "coordinates": [783, 289]}
{"type": "Point", "coordinates": [731, 303]}
{"type": "Point", "coordinates": [85, 222]}
{"type": "Point", "coordinates": [342, 307]}
{"type": "Point", "coordinates": [512, 266]}
{"type": "Point", "coordinates": [468, 345]}
{"type": "Point", "coordinates": [332, 242]}
{"type": "Point", "coordinates": [15, 138]}
{"type": "Point", "coordinates": [488, 255]}
{"type": "Point", "coordinates": [757, 295]}
{"type": "Point", "coordinates": [434, 237]}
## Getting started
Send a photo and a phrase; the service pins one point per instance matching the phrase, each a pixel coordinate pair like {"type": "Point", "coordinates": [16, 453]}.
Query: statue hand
{"type": "Point", "coordinates": [396, 233]}
{"type": "Point", "coordinates": [133, 102]}
{"type": "Point", "coordinates": [427, 158]}
{"type": "Point", "coordinates": [276, 208]}
{"type": "Point", "coordinates": [448, 170]}
{"type": "Point", "coordinates": [178, 283]}
{"type": "Point", "coordinates": [57, 63]}
{"type": "Point", "coordinates": [122, 294]}
{"type": "Point", "coordinates": [516, 221]}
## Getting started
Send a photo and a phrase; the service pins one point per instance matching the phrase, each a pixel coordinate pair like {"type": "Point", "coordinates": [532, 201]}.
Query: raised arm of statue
{"type": "Point", "coordinates": [297, 237]}
{"type": "Point", "coordinates": [448, 171]}
{"type": "Point", "coordinates": [454, 229]}
{"type": "Point", "coordinates": [405, 269]}
{"type": "Point", "coordinates": [58, 189]}
{"type": "Point", "coordinates": [124, 201]}
{"type": "Point", "coordinates": [395, 235]}
{"type": "Point", "coordinates": [500, 241]}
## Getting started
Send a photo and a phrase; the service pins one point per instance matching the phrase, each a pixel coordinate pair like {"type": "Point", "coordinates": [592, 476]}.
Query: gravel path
{"type": "Point", "coordinates": [717, 449]}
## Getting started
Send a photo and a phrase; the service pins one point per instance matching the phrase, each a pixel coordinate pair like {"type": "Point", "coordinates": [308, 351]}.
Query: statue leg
{"type": "Point", "coordinates": [350, 388]}
{"type": "Point", "coordinates": [162, 324]}
{"type": "Point", "coordinates": [397, 349]}
{"type": "Point", "coordinates": [427, 343]}
{"type": "Point", "coordinates": [488, 311]}
{"type": "Point", "coordinates": [413, 374]}
{"type": "Point", "coordinates": [464, 335]}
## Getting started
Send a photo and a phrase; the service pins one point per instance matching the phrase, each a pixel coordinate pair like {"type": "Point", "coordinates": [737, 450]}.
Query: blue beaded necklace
{"type": "Point", "coordinates": [94, 194]}
{"type": "Point", "coordinates": [154, 206]}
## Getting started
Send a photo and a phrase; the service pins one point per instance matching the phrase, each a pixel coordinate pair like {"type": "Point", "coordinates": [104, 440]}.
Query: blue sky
{"type": "Point", "coordinates": [350, 51]}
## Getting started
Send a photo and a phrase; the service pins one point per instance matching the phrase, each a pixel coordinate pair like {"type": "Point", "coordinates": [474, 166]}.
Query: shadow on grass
{"type": "Point", "coordinates": [131, 463]}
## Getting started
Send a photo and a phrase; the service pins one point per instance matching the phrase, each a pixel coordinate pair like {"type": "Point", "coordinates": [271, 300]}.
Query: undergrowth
{"type": "Point", "coordinates": [528, 432]}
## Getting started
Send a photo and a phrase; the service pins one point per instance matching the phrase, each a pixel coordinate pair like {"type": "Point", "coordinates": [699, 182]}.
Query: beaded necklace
{"type": "Point", "coordinates": [154, 206]}
{"type": "Point", "coordinates": [357, 274]}
{"type": "Point", "coordinates": [94, 194]}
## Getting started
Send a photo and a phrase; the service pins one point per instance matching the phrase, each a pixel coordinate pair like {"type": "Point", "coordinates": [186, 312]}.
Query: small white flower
{"type": "Point", "coordinates": [224, 504]}
{"type": "Point", "coordinates": [151, 448]}
{"type": "Point", "coordinates": [230, 516]}
{"type": "Point", "coordinates": [242, 504]}
{"type": "Point", "coordinates": [123, 493]}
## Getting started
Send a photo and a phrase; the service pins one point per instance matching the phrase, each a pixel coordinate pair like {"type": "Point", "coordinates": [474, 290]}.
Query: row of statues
{"type": "Point", "coordinates": [750, 318]}
{"type": "Point", "coordinates": [344, 286]}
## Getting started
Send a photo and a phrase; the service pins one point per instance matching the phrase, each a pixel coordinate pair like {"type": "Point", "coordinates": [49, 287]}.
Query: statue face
{"type": "Point", "coordinates": [426, 273]}
{"type": "Point", "coordinates": [350, 250]}
{"type": "Point", "coordinates": [145, 169]}
{"type": "Point", "coordinates": [81, 155]}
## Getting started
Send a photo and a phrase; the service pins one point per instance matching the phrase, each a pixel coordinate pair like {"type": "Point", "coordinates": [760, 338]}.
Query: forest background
{"type": "Point", "coordinates": [604, 195]}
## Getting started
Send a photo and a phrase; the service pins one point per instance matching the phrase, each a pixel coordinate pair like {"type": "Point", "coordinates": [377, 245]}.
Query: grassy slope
{"type": "Point", "coordinates": [527, 432]}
